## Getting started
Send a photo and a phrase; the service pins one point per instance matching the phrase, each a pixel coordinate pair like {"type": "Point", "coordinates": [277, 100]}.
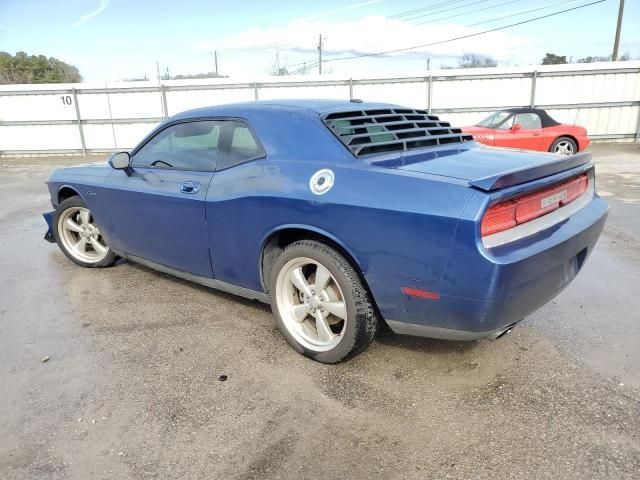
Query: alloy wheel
{"type": "Point", "coordinates": [80, 236]}
{"type": "Point", "coordinates": [311, 304]}
{"type": "Point", "coordinates": [564, 148]}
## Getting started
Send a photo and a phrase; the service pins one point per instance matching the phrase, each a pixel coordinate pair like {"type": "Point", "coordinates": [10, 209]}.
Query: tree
{"type": "Point", "coordinates": [596, 58]}
{"type": "Point", "coordinates": [195, 75]}
{"type": "Point", "coordinates": [471, 60]}
{"type": "Point", "coordinates": [23, 68]}
{"type": "Point", "coordinates": [137, 79]}
{"type": "Point", "coordinates": [553, 59]}
{"type": "Point", "coordinates": [590, 59]}
{"type": "Point", "coordinates": [279, 71]}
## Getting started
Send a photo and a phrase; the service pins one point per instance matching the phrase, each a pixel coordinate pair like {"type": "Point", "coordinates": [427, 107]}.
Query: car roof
{"type": "Point", "coordinates": [524, 110]}
{"type": "Point", "coordinates": [315, 106]}
{"type": "Point", "coordinates": [545, 118]}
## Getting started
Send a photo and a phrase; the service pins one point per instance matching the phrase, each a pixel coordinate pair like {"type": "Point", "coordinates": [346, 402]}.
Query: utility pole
{"type": "Point", "coordinates": [158, 71]}
{"type": "Point", "coordinates": [215, 60]}
{"type": "Point", "coordinates": [616, 42]}
{"type": "Point", "coordinates": [320, 55]}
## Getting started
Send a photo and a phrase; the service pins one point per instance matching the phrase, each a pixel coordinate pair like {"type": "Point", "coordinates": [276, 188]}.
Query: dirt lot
{"type": "Point", "coordinates": [131, 388]}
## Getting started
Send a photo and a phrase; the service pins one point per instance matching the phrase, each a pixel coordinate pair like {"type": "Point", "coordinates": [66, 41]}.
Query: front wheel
{"type": "Point", "coordinates": [320, 303]}
{"type": "Point", "coordinates": [79, 237]}
{"type": "Point", "coordinates": [564, 146]}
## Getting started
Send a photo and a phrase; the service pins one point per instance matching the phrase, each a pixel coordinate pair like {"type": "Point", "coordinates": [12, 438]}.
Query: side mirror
{"type": "Point", "coordinates": [121, 161]}
{"type": "Point", "coordinates": [516, 127]}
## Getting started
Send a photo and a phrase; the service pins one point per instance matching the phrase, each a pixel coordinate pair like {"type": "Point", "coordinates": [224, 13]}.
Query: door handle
{"type": "Point", "coordinates": [190, 187]}
{"type": "Point", "coordinates": [536, 134]}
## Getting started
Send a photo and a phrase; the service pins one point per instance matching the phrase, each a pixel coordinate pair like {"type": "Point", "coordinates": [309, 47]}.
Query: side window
{"type": "Point", "coordinates": [507, 124]}
{"type": "Point", "coordinates": [528, 120]}
{"type": "Point", "coordinates": [243, 146]}
{"type": "Point", "coordinates": [185, 146]}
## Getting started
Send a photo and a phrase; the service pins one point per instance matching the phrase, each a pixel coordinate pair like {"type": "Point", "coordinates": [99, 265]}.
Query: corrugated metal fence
{"type": "Point", "coordinates": [79, 118]}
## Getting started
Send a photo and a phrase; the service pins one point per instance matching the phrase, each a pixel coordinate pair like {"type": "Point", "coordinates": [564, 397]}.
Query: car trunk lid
{"type": "Point", "coordinates": [484, 168]}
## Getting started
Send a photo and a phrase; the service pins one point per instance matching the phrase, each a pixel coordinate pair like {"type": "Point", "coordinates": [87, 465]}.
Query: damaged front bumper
{"type": "Point", "coordinates": [48, 217]}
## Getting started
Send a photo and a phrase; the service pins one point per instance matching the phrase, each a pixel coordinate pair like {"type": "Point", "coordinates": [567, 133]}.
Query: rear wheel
{"type": "Point", "coordinates": [320, 304]}
{"type": "Point", "coordinates": [79, 237]}
{"type": "Point", "coordinates": [564, 146]}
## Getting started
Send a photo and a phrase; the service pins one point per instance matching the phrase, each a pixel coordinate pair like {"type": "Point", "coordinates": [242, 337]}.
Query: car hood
{"type": "Point", "coordinates": [69, 172]}
{"type": "Point", "coordinates": [484, 167]}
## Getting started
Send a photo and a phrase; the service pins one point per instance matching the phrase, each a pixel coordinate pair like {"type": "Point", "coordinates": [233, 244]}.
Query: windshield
{"type": "Point", "coordinates": [493, 120]}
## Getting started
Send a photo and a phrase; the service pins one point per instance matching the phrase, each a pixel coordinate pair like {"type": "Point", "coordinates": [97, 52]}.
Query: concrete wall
{"type": "Point", "coordinates": [603, 97]}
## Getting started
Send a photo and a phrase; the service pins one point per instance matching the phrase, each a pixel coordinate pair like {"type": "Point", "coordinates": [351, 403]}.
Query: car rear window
{"type": "Point", "coordinates": [369, 132]}
{"type": "Point", "coordinates": [244, 146]}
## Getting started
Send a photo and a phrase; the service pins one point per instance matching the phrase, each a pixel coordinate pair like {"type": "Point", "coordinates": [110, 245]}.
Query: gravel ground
{"type": "Point", "coordinates": [132, 386]}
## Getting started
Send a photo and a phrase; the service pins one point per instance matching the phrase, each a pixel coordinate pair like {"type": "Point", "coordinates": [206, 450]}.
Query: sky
{"type": "Point", "coordinates": [110, 40]}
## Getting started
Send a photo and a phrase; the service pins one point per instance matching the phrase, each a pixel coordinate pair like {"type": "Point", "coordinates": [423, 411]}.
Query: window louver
{"type": "Point", "coordinates": [367, 132]}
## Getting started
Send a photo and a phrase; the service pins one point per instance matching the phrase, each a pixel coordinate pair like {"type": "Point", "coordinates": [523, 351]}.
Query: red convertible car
{"type": "Point", "coordinates": [530, 129]}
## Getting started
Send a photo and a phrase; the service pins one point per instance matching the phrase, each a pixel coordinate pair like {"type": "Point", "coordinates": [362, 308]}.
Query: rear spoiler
{"type": "Point", "coordinates": [528, 174]}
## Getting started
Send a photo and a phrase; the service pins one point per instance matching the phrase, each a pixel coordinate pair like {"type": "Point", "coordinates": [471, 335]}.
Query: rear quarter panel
{"type": "Point", "coordinates": [393, 224]}
{"type": "Point", "coordinates": [550, 134]}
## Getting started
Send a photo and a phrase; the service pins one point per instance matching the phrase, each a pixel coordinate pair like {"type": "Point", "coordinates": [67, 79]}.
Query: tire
{"type": "Point", "coordinates": [84, 234]}
{"type": "Point", "coordinates": [564, 146]}
{"type": "Point", "coordinates": [343, 295]}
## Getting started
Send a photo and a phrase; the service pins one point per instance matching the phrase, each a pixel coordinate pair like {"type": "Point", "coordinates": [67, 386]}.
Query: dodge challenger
{"type": "Point", "coordinates": [340, 214]}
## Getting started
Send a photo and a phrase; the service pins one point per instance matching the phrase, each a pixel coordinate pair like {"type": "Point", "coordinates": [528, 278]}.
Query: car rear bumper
{"type": "Point", "coordinates": [487, 291]}
{"type": "Point", "coordinates": [583, 142]}
{"type": "Point", "coordinates": [428, 331]}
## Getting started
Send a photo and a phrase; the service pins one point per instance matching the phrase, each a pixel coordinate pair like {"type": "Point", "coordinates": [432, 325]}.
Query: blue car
{"type": "Point", "coordinates": [342, 215]}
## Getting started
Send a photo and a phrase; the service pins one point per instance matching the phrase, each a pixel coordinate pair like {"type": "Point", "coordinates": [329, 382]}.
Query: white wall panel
{"type": "Point", "coordinates": [324, 92]}
{"type": "Point", "coordinates": [37, 107]}
{"type": "Point", "coordinates": [179, 101]}
{"type": "Point", "coordinates": [567, 86]}
{"type": "Point", "coordinates": [600, 121]}
{"type": "Point", "coordinates": [94, 105]}
{"type": "Point", "coordinates": [39, 137]}
{"type": "Point", "coordinates": [134, 105]}
{"type": "Point", "coordinates": [616, 87]}
{"type": "Point", "coordinates": [129, 135]}
{"type": "Point", "coordinates": [505, 92]}
{"type": "Point", "coordinates": [122, 105]}
{"type": "Point", "coordinates": [463, 119]}
{"type": "Point", "coordinates": [409, 94]}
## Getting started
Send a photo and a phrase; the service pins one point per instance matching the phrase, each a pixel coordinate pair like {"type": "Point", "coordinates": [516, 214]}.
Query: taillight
{"type": "Point", "coordinates": [499, 217]}
{"type": "Point", "coordinates": [505, 215]}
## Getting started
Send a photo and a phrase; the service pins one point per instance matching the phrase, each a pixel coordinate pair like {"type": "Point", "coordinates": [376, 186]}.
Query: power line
{"type": "Point", "coordinates": [312, 65]}
{"type": "Point", "coordinates": [417, 10]}
{"type": "Point", "coordinates": [405, 13]}
{"type": "Point", "coordinates": [462, 36]}
{"type": "Point", "coordinates": [409, 13]}
{"type": "Point", "coordinates": [520, 13]}
{"type": "Point", "coordinates": [305, 67]}
{"type": "Point", "coordinates": [253, 49]}
{"type": "Point", "coordinates": [446, 10]}
{"type": "Point", "coordinates": [467, 13]}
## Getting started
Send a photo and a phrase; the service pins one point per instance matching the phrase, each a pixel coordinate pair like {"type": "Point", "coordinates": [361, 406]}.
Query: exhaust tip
{"type": "Point", "coordinates": [504, 332]}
